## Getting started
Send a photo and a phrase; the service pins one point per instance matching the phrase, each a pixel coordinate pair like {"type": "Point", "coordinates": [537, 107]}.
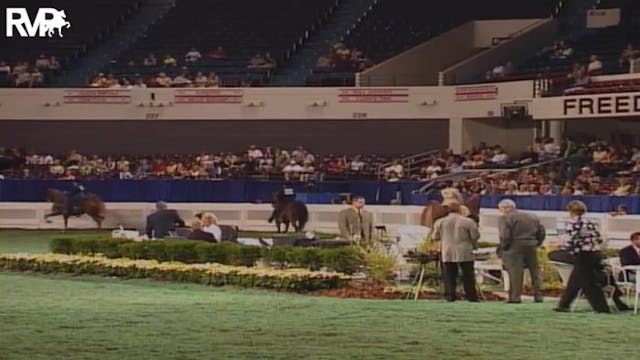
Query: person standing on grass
{"type": "Point", "coordinates": [459, 236]}
{"type": "Point", "coordinates": [583, 240]}
{"type": "Point", "coordinates": [520, 235]}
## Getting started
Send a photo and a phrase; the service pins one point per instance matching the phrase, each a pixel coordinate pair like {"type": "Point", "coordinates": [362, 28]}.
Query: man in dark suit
{"type": "Point", "coordinates": [520, 235]}
{"type": "Point", "coordinates": [162, 221]}
{"type": "Point", "coordinates": [198, 234]}
{"type": "Point", "coordinates": [630, 255]}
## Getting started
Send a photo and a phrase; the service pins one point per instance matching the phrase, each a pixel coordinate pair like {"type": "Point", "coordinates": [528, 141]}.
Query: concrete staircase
{"type": "Point", "coordinates": [150, 12]}
{"type": "Point", "coordinates": [300, 65]}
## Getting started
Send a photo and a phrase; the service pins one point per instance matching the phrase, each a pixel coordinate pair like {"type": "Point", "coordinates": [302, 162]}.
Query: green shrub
{"type": "Point", "coordinates": [61, 245]}
{"type": "Point", "coordinates": [346, 259]}
{"type": "Point", "coordinates": [379, 264]}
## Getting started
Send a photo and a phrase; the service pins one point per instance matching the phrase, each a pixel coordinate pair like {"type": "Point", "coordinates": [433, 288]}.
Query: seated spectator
{"type": "Point", "coordinates": [595, 65]}
{"type": "Point", "coordinates": [627, 55]}
{"type": "Point", "coordinates": [254, 153]}
{"type": "Point", "coordinates": [163, 80]}
{"type": "Point", "coordinates": [600, 154]}
{"type": "Point", "coordinates": [499, 157]}
{"type": "Point", "coordinates": [197, 232]}
{"type": "Point", "coordinates": [213, 80]}
{"type": "Point", "coordinates": [150, 60]}
{"type": "Point", "coordinates": [630, 255]}
{"type": "Point", "coordinates": [210, 225]}
{"type": "Point", "coordinates": [162, 221]}
{"type": "Point", "coordinates": [324, 62]}
{"type": "Point", "coordinates": [306, 171]}
{"type": "Point", "coordinates": [181, 80]}
{"type": "Point", "coordinates": [217, 53]}
{"type": "Point", "coordinates": [356, 164]}
{"type": "Point", "coordinates": [529, 156]}
{"type": "Point", "coordinates": [433, 169]}
{"type": "Point", "coordinates": [139, 84]}
{"type": "Point", "coordinates": [635, 154]}
{"type": "Point", "coordinates": [98, 81]}
{"type": "Point", "coordinates": [260, 61]}
{"type": "Point", "coordinates": [200, 80]}
{"type": "Point", "coordinates": [5, 68]}
{"type": "Point", "coordinates": [623, 189]}
{"type": "Point", "coordinates": [192, 56]}
{"type": "Point", "coordinates": [395, 170]}
{"type": "Point", "coordinates": [292, 170]}
{"type": "Point", "coordinates": [561, 51]}
{"type": "Point", "coordinates": [169, 60]}
{"type": "Point", "coordinates": [42, 62]}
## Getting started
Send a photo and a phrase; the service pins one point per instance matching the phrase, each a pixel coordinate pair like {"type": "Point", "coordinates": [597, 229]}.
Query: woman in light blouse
{"type": "Point", "coordinates": [583, 241]}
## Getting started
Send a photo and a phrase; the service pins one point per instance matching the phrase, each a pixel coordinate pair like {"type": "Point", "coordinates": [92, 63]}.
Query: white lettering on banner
{"type": "Point", "coordinates": [95, 96]}
{"type": "Point", "coordinates": [614, 105]}
{"type": "Point", "coordinates": [48, 22]}
{"type": "Point", "coordinates": [373, 95]}
{"type": "Point", "coordinates": [208, 96]}
{"type": "Point", "coordinates": [479, 92]}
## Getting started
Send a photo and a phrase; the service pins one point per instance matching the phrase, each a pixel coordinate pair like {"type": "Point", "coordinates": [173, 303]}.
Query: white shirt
{"type": "Point", "coordinates": [292, 168]}
{"type": "Point", "coordinates": [434, 168]}
{"type": "Point", "coordinates": [500, 158]}
{"type": "Point", "coordinates": [255, 153]}
{"type": "Point", "coordinates": [192, 56]}
{"type": "Point", "coordinates": [214, 230]}
{"type": "Point", "coordinates": [594, 66]}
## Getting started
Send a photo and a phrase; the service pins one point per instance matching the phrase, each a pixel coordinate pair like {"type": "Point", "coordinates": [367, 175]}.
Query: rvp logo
{"type": "Point", "coordinates": [46, 22]}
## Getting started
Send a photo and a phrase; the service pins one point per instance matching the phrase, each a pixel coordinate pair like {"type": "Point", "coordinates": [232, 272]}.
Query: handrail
{"type": "Point", "coordinates": [407, 162]}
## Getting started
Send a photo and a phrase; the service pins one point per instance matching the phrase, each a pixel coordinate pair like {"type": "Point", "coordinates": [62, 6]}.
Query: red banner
{"type": "Point", "coordinates": [478, 92]}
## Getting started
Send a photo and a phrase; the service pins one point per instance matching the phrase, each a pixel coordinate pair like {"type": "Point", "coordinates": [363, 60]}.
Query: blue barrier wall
{"type": "Point", "coordinates": [375, 192]}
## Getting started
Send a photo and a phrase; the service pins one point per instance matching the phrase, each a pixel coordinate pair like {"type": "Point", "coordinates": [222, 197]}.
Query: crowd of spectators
{"type": "Point", "coordinates": [341, 58]}
{"type": "Point", "coordinates": [29, 73]}
{"type": "Point", "coordinates": [596, 168]}
{"type": "Point", "coordinates": [265, 163]}
{"type": "Point", "coordinates": [172, 72]}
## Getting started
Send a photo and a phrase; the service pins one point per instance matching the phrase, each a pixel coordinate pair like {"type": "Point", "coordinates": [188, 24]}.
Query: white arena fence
{"type": "Point", "coordinates": [322, 218]}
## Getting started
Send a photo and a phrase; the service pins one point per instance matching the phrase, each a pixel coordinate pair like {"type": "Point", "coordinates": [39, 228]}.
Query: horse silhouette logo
{"type": "Point", "coordinates": [47, 21]}
{"type": "Point", "coordinates": [58, 22]}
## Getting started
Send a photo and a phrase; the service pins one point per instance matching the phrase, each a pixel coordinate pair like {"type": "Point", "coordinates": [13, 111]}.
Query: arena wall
{"type": "Point", "coordinates": [615, 230]}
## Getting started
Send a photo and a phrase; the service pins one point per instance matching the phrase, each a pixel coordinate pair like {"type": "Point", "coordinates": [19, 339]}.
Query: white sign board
{"type": "Point", "coordinates": [600, 18]}
{"type": "Point", "coordinates": [586, 106]}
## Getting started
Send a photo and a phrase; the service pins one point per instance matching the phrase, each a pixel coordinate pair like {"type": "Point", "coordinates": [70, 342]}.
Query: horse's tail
{"type": "Point", "coordinates": [302, 214]}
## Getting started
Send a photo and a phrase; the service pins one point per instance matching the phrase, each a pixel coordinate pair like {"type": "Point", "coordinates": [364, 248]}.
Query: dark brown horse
{"type": "Point", "coordinates": [291, 212]}
{"type": "Point", "coordinates": [90, 204]}
{"type": "Point", "coordinates": [434, 211]}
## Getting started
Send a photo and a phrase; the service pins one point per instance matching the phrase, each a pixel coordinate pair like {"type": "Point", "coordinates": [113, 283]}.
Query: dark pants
{"type": "Point", "coordinates": [450, 275]}
{"type": "Point", "coordinates": [516, 259]}
{"type": "Point", "coordinates": [585, 276]}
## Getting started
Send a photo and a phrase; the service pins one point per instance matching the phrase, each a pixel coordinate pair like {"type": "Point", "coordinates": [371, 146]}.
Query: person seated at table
{"type": "Point", "coordinates": [565, 256]}
{"type": "Point", "coordinates": [619, 211]}
{"type": "Point", "coordinates": [198, 234]}
{"type": "Point", "coordinates": [210, 225]}
{"type": "Point", "coordinates": [630, 255]}
{"type": "Point", "coordinates": [162, 221]}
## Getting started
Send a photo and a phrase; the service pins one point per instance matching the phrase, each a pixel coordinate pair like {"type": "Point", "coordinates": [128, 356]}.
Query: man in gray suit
{"type": "Point", "coordinates": [459, 236]}
{"type": "Point", "coordinates": [355, 223]}
{"type": "Point", "coordinates": [520, 235]}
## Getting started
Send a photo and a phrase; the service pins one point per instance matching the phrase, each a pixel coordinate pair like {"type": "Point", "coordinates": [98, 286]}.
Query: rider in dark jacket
{"type": "Point", "coordinates": [74, 196]}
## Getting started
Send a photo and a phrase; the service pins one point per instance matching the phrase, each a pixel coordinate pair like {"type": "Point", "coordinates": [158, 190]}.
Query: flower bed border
{"type": "Point", "coordinates": [206, 274]}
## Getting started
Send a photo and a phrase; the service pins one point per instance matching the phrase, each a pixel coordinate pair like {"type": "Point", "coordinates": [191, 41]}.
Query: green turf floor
{"type": "Point", "coordinates": [63, 317]}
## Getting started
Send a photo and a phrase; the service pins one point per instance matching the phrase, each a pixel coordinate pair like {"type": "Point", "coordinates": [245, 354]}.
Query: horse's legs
{"type": "Point", "coordinates": [278, 225]}
{"type": "Point", "coordinates": [53, 213]}
{"type": "Point", "coordinates": [66, 221]}
{"type": "Point", "coordinates": [98, 220]}
{"type": "Point", "coordinates": [286, 227]}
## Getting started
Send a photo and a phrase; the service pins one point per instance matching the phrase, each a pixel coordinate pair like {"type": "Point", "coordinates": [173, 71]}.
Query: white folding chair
{"type": "Point", "coordinates": [636, 283]}
{"type": "Point", "coordinates": [625, 284]}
